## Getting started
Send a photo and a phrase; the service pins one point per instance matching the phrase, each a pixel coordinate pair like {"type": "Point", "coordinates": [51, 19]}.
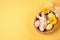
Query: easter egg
{"type": "Point", "coordinates": [49, 27]}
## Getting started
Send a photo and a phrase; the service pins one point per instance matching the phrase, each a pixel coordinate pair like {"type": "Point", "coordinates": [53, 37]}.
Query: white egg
{"type": "Point", "coordinates": [41, 28]}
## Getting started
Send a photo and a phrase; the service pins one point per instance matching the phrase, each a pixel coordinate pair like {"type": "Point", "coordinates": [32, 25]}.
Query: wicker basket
{"type": "Point", "coordinates": [46, 32]}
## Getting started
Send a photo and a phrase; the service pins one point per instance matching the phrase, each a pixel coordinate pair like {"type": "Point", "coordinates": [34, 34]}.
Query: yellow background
{"type": "Point", "coordinates": [16, 20]}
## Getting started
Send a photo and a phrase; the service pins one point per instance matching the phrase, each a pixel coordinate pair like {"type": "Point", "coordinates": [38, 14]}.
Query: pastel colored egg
{"type": "Point", "coordinates": [41, 28]}
{"type": "Point", "coordinates": [49, 27]}
{"type": "Point", "coordinates": [37, 23]}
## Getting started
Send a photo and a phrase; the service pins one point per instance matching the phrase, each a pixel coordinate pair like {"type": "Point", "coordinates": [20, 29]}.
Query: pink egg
{"type": "Point", "coordinates": [37, 23]}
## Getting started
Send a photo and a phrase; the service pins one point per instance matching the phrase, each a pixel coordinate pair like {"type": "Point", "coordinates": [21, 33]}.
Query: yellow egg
{"type": "Point", "coordinates": [49, 27]}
